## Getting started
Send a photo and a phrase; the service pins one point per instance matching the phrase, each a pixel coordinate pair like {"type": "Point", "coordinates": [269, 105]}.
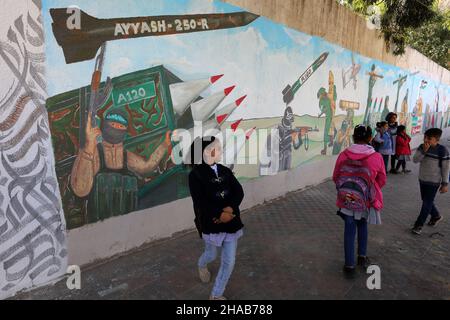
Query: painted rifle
{"type": "Point", "coordinates": [98, 97]}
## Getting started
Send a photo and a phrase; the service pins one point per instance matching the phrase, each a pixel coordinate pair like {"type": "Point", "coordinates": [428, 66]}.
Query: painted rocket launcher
{"type": "Point", "coordinates": [202, 110]}
{"type": "Point", "coordinates": [290, 91]}
{"type": "Point", "coordinates": [185, 93]}
{"type": "Point", "coordinates": [82, 42]}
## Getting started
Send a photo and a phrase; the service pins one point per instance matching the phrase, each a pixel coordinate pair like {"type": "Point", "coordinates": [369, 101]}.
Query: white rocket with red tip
{"type": "Point", "coordinates": [233, 149]}
{"type": "Point", "coordinates": [223, 134]}
{"type": "Point", "coordinates": [208, 128]}
{"type": "Point", "coordinates": [225, 112]}
{"type": "Point", "coordinates": [184, 93]}
{"type": "Point", "coordinates": [203, 109]}
{"type": "Point", "coordinates": [196, 131]}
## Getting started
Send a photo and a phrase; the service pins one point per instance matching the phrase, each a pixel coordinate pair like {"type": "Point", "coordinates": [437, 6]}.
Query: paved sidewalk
{"type": "Point", "coordinates": [292, 249]}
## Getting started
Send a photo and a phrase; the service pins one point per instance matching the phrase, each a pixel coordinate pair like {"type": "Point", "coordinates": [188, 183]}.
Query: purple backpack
{"type": "Point", "coordinates": [355, 190]}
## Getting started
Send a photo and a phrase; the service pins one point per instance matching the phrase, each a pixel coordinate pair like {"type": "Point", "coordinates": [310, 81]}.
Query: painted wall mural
{"type": "Point", "coordinates": [125, 77]}
{"type": "Point", "coordinates": [32, 227]}
{"type": "Point", "coordinates": [124, 81]}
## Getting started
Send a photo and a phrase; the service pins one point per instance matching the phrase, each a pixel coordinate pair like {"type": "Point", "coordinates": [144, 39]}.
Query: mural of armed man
{"type": "Point", "coordinates": [343, 138]}
{"type": "Point", "coordinates": [279, 145]}
{"type": "Point", "coordinates": [106, 173]}
{"type": "Point", "coordinates": [286, 134]}
{"type": "Point", "coordinates": [327, 106]}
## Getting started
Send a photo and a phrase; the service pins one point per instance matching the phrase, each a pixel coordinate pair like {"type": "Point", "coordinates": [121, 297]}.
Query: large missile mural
{"type": "Point", "coordinates": [185, 93]}
{"type": "Point", "coordinates": [208, 117]}
{"type": "Point", "coordinates": [290, 91]}
{"type": "Point", "coordinates": [202, 110]}
{"type": "Point", "coordinates": [81, 35]}
{"type": "Point", "coordinates": [224, 113]}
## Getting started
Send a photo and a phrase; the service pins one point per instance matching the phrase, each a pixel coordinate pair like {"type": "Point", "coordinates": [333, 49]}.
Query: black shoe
{"type": "Point", "coordinates": [349, 272]}
{"type": "Point", "coordinates": [417, 230]}
{"type": "Point", "coordinates": [393, 171]}
{"type": "Point", "coordinates": [435, 222]}
{"type": "Point", "coordinates": [364, 262]}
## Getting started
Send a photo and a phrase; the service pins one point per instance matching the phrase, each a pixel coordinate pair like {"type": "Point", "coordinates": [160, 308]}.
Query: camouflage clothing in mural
{"type": "Point", "coordinates": [404, 111]}
{"type": "Point", "coordinates": [327, 105]}
{"type": "Point", "coordinates": [107, 173]}
{"type": "Point", "coordinates": [343, 138]}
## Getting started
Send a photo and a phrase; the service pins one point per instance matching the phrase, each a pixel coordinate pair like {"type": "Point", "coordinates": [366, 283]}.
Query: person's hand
{"type": "Point", "coordinates": [228, 209]}
{"type": "Point", "coordinates": [443, 189]}
{"type": "Point", "coordinates": [168, 138]}
{"type": "Point", "coordinates": [92, 133]}
{"type": "Point", "coordinates": [225, 217]}
{"type": "Point", "coordinates": [168, 143]}
{"type": "Point", "coordinates": [426, 147]}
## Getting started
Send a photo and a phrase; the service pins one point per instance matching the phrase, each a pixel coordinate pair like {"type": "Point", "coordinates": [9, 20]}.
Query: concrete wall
{"type": "Point", "coordinates": [33, 247]}
{"type": "Point", "coordinates": [339, 25]}
{"type": "Point", "coordinates": [117, 235]}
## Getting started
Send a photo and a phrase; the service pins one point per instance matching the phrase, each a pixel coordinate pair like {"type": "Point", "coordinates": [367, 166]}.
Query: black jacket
{"type": "Point", "coordinates": [211, 194]}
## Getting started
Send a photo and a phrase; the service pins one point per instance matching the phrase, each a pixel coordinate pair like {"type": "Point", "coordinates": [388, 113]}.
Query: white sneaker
{"type": "Point", "coordinates": [205, 275]}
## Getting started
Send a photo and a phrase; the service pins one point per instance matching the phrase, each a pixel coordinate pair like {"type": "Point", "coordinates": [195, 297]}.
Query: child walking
{"type": "Point", "coordinates": [359, 175]}
{"type": "Point", "coordinates": [391, 119]}
{"type": "Point", "coordinates": [216, 195]}
{"type": "Point", "coordinates": [383, 141]}
{"type": "Point", "coordinates": [434, 160]}
{"type": "Point", "coordinates": [403, 149]}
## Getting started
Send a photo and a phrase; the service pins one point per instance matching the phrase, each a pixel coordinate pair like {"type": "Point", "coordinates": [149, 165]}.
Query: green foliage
{"type": "Point", "coordinates": [437, 46]}
{"type": "Point", "coordinates": [420, 24]}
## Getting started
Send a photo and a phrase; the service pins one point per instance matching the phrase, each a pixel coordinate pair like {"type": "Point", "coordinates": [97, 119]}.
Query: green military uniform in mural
{"type": "Point", "coordinates": [115, 191]}
{"type": "Point", "coordinates": [106, 172]}
{"type": "Point", "coordinates": [327, 106]}
{"type": "Point", "coordinates": [343, 137]}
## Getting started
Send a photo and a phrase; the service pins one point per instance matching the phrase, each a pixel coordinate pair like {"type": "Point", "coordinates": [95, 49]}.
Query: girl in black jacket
{"type": "Point", "coordinates": [216, 194]}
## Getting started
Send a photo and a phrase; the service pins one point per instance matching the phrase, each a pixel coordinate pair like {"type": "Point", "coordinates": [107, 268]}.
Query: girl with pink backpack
{"type": "Point", "coordinates": [359, 175]}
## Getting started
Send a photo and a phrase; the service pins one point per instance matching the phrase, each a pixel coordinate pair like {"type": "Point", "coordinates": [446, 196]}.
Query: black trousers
{"type": "Point", "coordinates": [393, 159]}
{"type": "Point", "coordinates": [401, 163]}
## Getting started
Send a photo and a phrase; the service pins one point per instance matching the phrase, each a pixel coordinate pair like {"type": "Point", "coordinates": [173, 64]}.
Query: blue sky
{"type": "Point", "coordinates": [260, 59]}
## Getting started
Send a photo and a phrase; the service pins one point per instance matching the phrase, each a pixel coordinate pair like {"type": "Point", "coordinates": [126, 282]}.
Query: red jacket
{"type": "Point", "coordinates": [402, 146]}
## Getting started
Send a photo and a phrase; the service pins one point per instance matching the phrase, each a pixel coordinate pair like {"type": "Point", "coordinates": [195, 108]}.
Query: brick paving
{"type": "Point", "coordinates": [292, 249]}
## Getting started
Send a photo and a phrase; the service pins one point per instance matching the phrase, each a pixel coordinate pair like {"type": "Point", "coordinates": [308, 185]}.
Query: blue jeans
{"type": "Point", "coordinates": [428, 193]}
{"type": "Point", "coordinates": [386, 161]}
{"type": "Point", "coordinates": [226, 266]}
{"type": "Point", "coordinates": [351, 226]}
